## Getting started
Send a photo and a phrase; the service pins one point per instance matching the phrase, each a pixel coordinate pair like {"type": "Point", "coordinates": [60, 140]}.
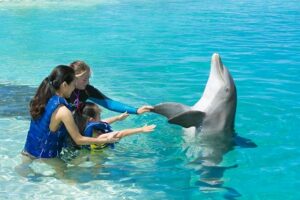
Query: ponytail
{"type": "Point", "coordinates": [48, 87]}
{"type": "Point", "coordinates": [39, 101]}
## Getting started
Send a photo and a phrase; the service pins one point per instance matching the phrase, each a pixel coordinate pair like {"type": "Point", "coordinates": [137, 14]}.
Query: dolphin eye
{"type": "Point", "coordinates": [227, 89]}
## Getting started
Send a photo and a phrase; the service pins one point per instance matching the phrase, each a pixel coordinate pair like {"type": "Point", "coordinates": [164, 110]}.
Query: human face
{"type": "Point", "coordinates": [82, 80]}
{"type": "Point", "coordinates": [68, 88]}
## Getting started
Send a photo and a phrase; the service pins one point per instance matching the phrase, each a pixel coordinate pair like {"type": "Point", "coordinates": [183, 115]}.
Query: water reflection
{"type": "Point", "coordinates": [206, 151]}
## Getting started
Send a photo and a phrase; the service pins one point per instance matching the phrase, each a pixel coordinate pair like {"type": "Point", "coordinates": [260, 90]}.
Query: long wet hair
{"type": "Point", "coordinates": [83, 113]}
{"type": "Point", "coordinates": [48, 87]}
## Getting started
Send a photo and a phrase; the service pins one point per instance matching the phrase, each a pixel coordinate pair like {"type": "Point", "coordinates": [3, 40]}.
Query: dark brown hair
{"type": "Point", "coordinates": [83, 113]}
{"type": "Point", "coordinates": [47, 88]}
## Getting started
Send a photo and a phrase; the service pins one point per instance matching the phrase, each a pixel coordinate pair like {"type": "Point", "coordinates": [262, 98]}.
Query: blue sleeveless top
{"type": "Point", "coordinates": [41, 142]}
{"type": "Point", "coordinates": [98, 126]}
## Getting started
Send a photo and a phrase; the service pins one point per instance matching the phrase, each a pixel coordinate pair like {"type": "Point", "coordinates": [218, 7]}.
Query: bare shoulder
{"type": "Point", "coordinates": [61, 114]}
{"type": "Point", "coordinates": [63, 111]}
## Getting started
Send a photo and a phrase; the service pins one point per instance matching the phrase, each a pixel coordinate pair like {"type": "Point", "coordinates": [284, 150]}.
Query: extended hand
{"type": "Point", "coordinates": [123, 116]}
{"type": "Point", "coordinates": [149, 128]}
{"type": "Point", "coordinates": [144, 109]}
{"type": "Point", "coordinates": [112, 137]}
{"type": "Point", "coordinates": [109, 137]}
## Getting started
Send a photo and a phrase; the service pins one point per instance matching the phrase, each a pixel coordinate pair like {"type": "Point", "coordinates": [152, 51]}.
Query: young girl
{"type": "Point", "coordinates": [52, 118]}
{"type": "Point", "coordinates": [88, 119]}
{"type": "Point", "coordinates": [83, 91]}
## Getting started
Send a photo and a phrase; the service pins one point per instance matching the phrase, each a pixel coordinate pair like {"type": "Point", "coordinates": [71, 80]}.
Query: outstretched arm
{"type": "Point", "coordinates": [115, 105]}
{"type": "Point", "coordinates": [95, 95]}
{"type": "Point", "coordinates": [64, 115]}
{"type": "Point", "coordinates": [127, 132]}
{"type": "Point", "coordinates": [116, 118]}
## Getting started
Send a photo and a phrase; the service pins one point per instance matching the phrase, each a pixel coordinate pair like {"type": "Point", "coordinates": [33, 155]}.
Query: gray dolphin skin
{"type": "Point", "coordinates": [209, 128]}
{"type": "Point", "coordinates": [215, 111]}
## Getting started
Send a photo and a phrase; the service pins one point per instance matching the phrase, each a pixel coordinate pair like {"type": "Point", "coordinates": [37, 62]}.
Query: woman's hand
{"type": "Point", "coordinates": [150, 128]}
{"type": "Point", "coordinates": [122, 116]}
{"type": "Point", "coordinates": [144, 109]}
{"type": "Point", "coordinates": [112, 137]}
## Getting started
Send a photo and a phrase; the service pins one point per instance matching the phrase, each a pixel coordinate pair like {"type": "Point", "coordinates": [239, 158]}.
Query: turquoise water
{"type": "Point", "coordinates": [147, 52]}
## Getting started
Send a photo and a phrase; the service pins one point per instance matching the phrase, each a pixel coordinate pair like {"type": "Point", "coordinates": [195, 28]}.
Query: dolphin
{"type": "Point", "coordinates": [214, 113]}
{"type": "Point", "coordinates": [209, 128]}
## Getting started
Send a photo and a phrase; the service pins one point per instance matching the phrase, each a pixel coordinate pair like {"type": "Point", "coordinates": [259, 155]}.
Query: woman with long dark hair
{"type": "Point", "coordinates": [52, 117]}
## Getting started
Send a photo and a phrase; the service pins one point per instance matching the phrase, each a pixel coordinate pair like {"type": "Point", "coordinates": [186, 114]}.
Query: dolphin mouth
{"type": "Point", "coordinates": [218, 65]}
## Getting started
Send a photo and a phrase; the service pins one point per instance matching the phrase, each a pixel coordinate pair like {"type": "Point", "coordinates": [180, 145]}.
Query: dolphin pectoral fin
{"type": "Point", "coordinates": [170, 109]}
{"type": "Point", "coordinates": [188, 119]}
{"type": "Point", "coordinates": [244, 142]}
{"type": "Point", "coordinates": [179, 114]}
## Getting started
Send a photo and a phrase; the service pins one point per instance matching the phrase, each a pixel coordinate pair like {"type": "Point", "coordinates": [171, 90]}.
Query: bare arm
{"type": "Point", "coordinates": [127, 132]}
{"type": "Point", "coordinates": [64, 115]}
{"type": "Point", "coordinates": [116, 118]}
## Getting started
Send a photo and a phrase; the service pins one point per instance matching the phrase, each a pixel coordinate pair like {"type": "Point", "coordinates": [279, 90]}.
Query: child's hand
{"type": "Point", "coordinates": [123, 116]}
{"type": "Point", "coordinates": [110, 137]}
{"type": "Point", "coordinates": [149, 128]}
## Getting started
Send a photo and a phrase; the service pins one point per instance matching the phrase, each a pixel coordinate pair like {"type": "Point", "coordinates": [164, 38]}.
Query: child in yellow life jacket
{"type": "Point", "coordinates": [88, 119]}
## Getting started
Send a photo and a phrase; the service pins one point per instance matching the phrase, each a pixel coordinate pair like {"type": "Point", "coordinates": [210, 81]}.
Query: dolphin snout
{"type": "Point", "coordinates": [216, 64]}
{"type": "Point", "coordinates": [215, 56]}
{"type": "Point", "coordinates": [216, 59]}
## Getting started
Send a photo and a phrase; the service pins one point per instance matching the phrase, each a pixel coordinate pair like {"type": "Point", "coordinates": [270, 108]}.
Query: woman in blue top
{"type": "Point", "coordinates": [83, 91]}
{"type": "Point", "coordinates": [52, 118]}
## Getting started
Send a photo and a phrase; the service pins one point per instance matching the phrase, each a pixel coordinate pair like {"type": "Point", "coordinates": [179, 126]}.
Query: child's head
{"type": "Point", "coordinates": [82, 73]}
{"type": "Point", "coordinates": [91, 111]}
{"type": "Point", "coordinates": [85, 113]}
